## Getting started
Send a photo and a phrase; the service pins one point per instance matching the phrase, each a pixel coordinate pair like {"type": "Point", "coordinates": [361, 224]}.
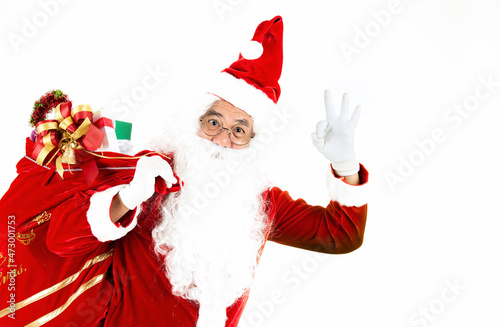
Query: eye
{"type": "Point", "coordinates": [239, 131]}
{"type": "Point", "coordinates": [213, 122]}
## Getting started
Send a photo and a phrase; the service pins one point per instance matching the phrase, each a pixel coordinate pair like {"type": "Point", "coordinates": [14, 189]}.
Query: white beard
{"type": "Point", "coordinates": [212, 231]}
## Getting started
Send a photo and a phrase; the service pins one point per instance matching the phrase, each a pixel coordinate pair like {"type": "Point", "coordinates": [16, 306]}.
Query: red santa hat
{"type": "Point", "coordinates": [251, 82]}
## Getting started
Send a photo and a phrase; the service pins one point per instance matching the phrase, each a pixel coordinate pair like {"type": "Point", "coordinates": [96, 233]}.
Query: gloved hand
{"type": "Point", "coordinates": [142, 186]}
{"type": "Point", "coordinates": [334, 137]}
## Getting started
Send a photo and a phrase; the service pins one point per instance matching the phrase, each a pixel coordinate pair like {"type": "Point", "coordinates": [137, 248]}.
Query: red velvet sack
{"type": "Point", "coordinates": [37, 286]}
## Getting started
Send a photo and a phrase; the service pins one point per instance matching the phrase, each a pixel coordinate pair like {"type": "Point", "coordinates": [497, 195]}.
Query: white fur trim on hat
{"type": "Point", "coordinates": [244, 96]}
{"type": "Point", "coordinates": [345, 194]}
{"type": "Point", "coordinates": [99, 220]}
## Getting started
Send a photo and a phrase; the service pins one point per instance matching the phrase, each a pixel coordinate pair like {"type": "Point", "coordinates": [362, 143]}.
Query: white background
{"type": "Point", "coordinates": [435, 226]}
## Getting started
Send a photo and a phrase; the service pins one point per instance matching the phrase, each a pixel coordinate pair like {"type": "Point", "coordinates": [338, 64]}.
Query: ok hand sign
{"type": "Point", "coordinates": [334, 137]}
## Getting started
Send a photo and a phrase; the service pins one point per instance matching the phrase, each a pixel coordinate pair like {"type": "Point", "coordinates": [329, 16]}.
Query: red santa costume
{"type": "Point", "coordinates": [187, 258]}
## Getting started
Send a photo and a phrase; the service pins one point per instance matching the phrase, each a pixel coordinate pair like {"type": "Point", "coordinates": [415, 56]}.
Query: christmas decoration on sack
{"type": "Point", "coordinates": [123, 136]}
{"type": "Point", "coordinates": [108, 126]}
{"type": "Point", "coordinates": [68, 138]}
{"type": "Point", "coordinates": [73, 133]}
{"type": "Point", "coordinates": [45, 104]}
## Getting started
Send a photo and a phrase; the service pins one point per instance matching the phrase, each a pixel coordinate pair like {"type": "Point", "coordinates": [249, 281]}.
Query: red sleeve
{"type": "Point", "coordinates": [82, 223]}
{"type": "Point", "coordinates": [72, 232]}
{"type": "Point", "coordinates": [69, 232]}
{"type": "Point", "coordinates": [335, 229]}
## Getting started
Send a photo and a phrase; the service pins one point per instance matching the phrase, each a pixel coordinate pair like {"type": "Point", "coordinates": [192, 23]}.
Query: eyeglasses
{"type": "Point", "coordinates": [238, 134]}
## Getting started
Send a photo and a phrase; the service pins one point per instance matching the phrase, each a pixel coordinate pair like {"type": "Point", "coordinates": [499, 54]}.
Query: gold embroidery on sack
{"type": "Point", "coordinates": [2, 259]}
{"type": "Point", "coordinates": [25, 238]}
{"type": "Point", "coordinates": [43, 217]}
{"type": "Point", "coordinates": [35, 222]}
{"type": "Point", "coordinates": [4, 279]}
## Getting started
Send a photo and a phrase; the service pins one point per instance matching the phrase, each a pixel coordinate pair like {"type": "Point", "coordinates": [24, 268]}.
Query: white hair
{"type": "Point", "coordinates": [213, 230]}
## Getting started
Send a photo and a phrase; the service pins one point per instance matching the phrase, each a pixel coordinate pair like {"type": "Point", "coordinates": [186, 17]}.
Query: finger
{"type": "Point", "coordinates": [355, 116]}
{"type": "Point", "coordinates": [157, 164]}
{"type": "Point", "coordinates": [331, 115]}
{"type": "Point", "coordinates": [168, 177]}
{"type": "Point", "coordinates": [170, 180]}
{"type": "Point", "coordinates": [344, 111]}
{"type": "Point", "coordinates": [317, 142]}
{"type": "Point", "coordinates": [143, 161]}
{"type": "Point", "coordinates": [164, 170]}
{"type": "Point", "coordinates": [160, 167]}
{"type": "Point", "coordinates": [321, 128]}
{"type": "Point", "coordinates": [149, 162]}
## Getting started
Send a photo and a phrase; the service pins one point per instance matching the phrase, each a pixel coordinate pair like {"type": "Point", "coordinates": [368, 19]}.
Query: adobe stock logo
{"type": "Point", "coordinates": [222, 7]}
{"type": "Point", "coordinates": [364, 36]}
{"type": "Point", "coordinates": [131, 100]}
{"type": "Point", "coordinates": [32, 26]}
{"type": "Point", "coordinates": [454, 118]}
{"type": "Point", "coordinates": [437, 306]}
{"type": "Point", "coordinates": [292, 280]}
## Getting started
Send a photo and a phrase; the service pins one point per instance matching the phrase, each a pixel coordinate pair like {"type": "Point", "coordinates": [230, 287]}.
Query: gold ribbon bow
{"type": "Point", "coordinates": [72, 130]}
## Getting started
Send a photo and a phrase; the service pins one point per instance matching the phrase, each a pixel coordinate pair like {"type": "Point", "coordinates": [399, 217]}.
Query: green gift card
{"type": "Point", "coordinates": [123, 130]}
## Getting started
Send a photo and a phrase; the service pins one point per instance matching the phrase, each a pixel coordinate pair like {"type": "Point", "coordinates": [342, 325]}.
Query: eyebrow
{"type": "Point", "coordinates": [218, 114]}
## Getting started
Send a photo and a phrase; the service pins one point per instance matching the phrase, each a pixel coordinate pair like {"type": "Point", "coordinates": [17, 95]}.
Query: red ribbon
{"type": "Point", "coordinates": [72, 131]}
{"type": "Point", "coordinates": [104, 122]}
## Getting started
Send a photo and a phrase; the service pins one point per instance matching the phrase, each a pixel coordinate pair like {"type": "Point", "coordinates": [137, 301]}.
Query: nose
{"type": "Point", "coordinates": [223, 138]}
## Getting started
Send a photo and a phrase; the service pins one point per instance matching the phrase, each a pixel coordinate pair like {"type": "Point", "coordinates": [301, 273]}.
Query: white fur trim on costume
{"type": "Point", "coordinates": [99, 220]}
{"type": "Point", "coordinates": [244, 96]}
{"type": "Point", "coordinates": [346, 194]}
{"type": "Point", "coordinates": [211, 315]}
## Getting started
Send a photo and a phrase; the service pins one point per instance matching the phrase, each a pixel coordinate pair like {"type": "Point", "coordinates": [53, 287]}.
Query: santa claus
{"type": "Point", "coordinates": [186, 254]}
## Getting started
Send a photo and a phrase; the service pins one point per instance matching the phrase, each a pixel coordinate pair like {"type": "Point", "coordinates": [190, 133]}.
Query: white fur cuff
{"type": "Point", "coordinates": [346, 194]}
{"type": "Point", "coordinates": [99, 220]}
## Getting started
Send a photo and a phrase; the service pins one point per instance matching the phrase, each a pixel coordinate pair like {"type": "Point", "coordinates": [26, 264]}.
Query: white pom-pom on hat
{"type": "Point", "coordinates": [252, 50]}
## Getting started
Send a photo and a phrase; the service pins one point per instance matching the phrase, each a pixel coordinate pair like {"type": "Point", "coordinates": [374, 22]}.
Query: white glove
{"type": "Point", "coordinates": [142, 186]}
{"type": "Point", "coordinates": [334, 136]}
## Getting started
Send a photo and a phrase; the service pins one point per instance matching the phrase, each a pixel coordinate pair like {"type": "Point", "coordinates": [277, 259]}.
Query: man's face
{"type": "Point", "coordinates": [231, 118]}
